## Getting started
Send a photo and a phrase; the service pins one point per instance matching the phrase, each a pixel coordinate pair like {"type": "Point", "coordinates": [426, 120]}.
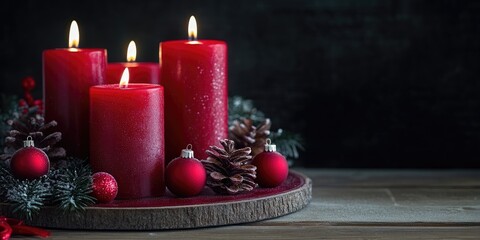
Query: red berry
{"type": "Point", "coordinates": [28, 83]}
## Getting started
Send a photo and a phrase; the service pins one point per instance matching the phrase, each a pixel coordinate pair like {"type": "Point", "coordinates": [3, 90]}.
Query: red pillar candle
{"type": "Point", "coordinates": [67, 76]}
{"type": "Point", "coordinates": [194, 74]}
{"type": "Point", "coordinates": [140, 72]}
{"type": "Point", "coordinates": [127, 136]}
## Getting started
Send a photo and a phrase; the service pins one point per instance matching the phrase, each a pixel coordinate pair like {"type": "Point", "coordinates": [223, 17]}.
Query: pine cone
{"type": "Point", "coordinates": [229, 170]}
{"type": "Point", "coordinates": [245, 134]}
{"type": "Point", "coordinates": [32, 124]}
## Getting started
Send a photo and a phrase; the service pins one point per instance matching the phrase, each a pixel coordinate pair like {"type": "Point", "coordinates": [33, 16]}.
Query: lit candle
{"type": "Point", "coordinates": [194, 74]}
{"type": "Point", "coordinates": [67, 76]}
{"type": "Point", "coordinates": [127, 136]}
{"type": "Point", "coordinates": [140, 72]}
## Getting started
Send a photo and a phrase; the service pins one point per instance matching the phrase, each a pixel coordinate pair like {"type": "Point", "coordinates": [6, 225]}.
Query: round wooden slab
{"type": "Point", "coordinates": [168, 212]}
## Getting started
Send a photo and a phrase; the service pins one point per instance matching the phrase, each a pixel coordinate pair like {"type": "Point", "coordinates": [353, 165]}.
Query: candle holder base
{"type": "Point", "coordinates": [168, 212]}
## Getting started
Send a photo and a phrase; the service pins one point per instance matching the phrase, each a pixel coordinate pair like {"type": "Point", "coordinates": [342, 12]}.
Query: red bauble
{"type": "Point", "coordinates": [185, 176]}
{"type": "Point", "coordinates": [29, 163]}
{"type": "Point", "coordinates": [272, 167]}
{"type": "Point", "coordinates": [104, 187]}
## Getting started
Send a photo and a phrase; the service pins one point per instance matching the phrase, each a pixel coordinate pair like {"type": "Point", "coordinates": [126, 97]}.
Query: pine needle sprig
{"type": "Point", "coordinates": [288, 144]}
{"type": "Point", "coordinates": [28, 196]}
{"type": "Point", "coordinates": [239, 108]}
{"type": "Point", "coordinates": [6, 181]}
{"type": "Point", "coordinates": [73, 186]}
{"type": "Point", "coordinates": [8, 110]}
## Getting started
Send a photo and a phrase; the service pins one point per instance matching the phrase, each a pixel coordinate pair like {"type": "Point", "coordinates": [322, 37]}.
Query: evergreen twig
{"type": "Point", "coordinates": [67, 187]}
{"type": "Point", "coordinates": [28, 196]}
{"type": "Point", "coordinates": [73, 186]}
{"type": "Point", "coordinates": [8, 110]}
{"type": "Point", "coordinates": [239, 108]}
{"type": "Point", "coordinates": [289, 144]}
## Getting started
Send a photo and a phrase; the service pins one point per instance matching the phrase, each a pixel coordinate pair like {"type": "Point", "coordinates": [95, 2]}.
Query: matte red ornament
{"type": "Point", "coordinates": [272, 167]}
{"type": "Point", "coordinates": [29, 162]}
{"type": "Point", "coordinates": [104, 187]}
{"type": "Point", "coordinates": [185, 176]}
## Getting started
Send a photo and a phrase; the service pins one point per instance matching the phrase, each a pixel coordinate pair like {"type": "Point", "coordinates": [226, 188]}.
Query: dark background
{"type": "Point", "coordinates": [367, 83]}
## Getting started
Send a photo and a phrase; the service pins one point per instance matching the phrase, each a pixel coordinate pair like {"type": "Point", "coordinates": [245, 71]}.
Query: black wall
{"type": "Point", "coordinates": [367, 83]}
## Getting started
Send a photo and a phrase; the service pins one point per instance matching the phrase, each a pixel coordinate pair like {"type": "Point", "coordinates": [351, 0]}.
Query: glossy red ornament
{"type": "Point", "coordinates": [104, 187]}
{"type": "Point", "coordinates": [185, 176]}
{"type": "Point", "coordinates": [272, 167]}
{"type": "Point", "coordinates": [29, 162]}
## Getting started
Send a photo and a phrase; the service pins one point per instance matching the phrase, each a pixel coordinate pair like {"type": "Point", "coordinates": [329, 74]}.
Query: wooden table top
{"type": "Point", "coordinates": [355, 203]}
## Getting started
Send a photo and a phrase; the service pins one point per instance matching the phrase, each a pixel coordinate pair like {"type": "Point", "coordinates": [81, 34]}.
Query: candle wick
{"type": "Point", "coordinates": [192, 38]}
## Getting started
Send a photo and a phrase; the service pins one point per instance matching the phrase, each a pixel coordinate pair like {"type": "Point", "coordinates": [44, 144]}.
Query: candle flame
{"type": "Point", "coordinates": [74, 36]}
{"type": "Point", "coordinates": [131, 52]}
{"type": "Point", "coordinates": [125, 78]}
{"type": "Point", "coordinates": [192, 29]}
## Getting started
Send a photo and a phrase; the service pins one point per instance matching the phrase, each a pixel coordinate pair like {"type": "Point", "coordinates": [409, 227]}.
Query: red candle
{"type": "Point", "coordinates": [67, 76]}
{"type": "Point", "coordinates": [140, 72]}
{"type": "Point", "coordinates": [127, 136]}
{"type": "Point", "coordinates": [194, 74]}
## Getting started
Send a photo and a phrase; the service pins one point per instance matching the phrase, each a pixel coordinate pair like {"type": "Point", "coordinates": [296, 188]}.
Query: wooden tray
{"type": "Point", "coordinates": [168, 212]}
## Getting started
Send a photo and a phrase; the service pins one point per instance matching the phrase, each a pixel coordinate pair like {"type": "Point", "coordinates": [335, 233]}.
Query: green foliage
{"type": "Point", "coordinates": [27, 196]}
{"type": "Point", "coordinates": [67, 187]}
{"type": "Point", "coordinates": [8, 110]}
{"type": "Point", "coordinates": [289, 144]}
{"type": "Point", "coordinates": [6, 180]}
{"type": "Point", "coordinates": [73, 185]}
{"type": "Point", "coordinates": [239, 107]}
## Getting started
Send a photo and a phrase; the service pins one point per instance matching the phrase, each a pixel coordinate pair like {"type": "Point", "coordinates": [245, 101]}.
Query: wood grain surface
{"type": "Point", "coordinates": [355, 204]}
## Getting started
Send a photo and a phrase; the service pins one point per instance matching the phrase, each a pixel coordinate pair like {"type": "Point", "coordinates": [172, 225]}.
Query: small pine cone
{"type": "Point", "coordinates": [245, 134]}
{"type": "Point", "coordinates": [229, 170]}
{"type": "Point", "coordinates": [32, 124]}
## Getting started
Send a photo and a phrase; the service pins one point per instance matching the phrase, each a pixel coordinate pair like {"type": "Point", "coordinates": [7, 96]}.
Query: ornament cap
{"type": "Point", "coordinates": [269, 147]}
{"type": "Point", "coordinates": [29, 142]}
{"type": "Point", "coordinates": [188, 152]}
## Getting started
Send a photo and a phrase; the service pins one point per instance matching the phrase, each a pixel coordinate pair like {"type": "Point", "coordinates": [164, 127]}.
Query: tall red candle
{"type": "Point", "coordinates": [194, 74]}
{"type": "Point", "coordinates": [140, 72]}
{"type": "Point", "coordinates": [127, 137]}
{"type": "Point", "coordinates": [67, 76]}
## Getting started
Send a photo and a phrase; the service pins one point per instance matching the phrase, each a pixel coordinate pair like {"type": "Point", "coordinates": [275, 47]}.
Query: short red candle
{"type": "Point", "coordinates": [127, 137]}
{"type": "Point", "coordinates": [140, 72]}
{"type": "Point", "coordinates": [67, 76]}
{"type": "Point", "coordinates": [194, 74]}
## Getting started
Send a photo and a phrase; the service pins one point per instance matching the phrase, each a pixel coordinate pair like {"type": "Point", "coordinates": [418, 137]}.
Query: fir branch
{"type": "Point", "coordinates": [8, 110]}
{"type": "Point", "coordinates": [6, 181]}
{"type": "Point", "coordinates": [288, 144]}
{"type": "Point", "coordinates": [239, 108]}
{"type": "Point", "coordinates": [73, 185]}
{"type": "Point", "coordinates": [28, 196]}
